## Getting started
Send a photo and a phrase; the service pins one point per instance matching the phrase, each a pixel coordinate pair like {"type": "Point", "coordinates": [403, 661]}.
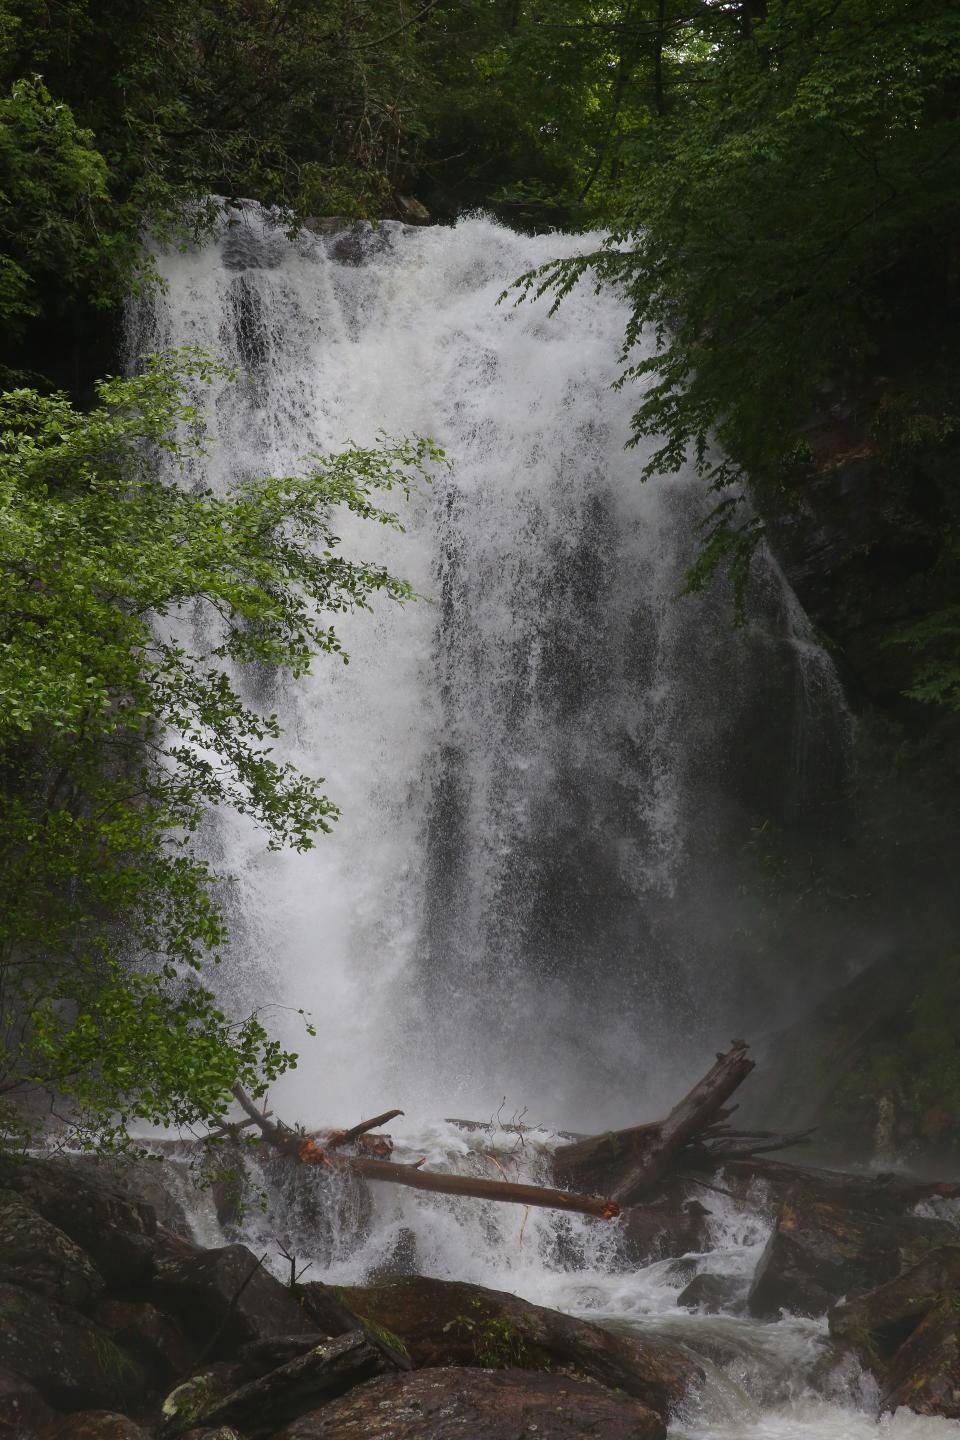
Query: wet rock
{"type": "Point", "coordinates": [226, 1298]}
{"type": "Point", "coordinates": [153, 1337]}
{"type": "Point", "coordinates": [262, 1356]}
{"type": "Point", "coordinates": [39, 1256]}
{"type": "Point", "coordinates": [459, 1404]}
{"type": "Point", "coordinates": [223, 1432]}
{"type": "Point", "coordinates": [906, 1332]}
{"type": "Point", "coordinates": [98, 1425]}
{"type": "Point", "coordinates": [88, 1204]}
{"type": "Point", "coordinates": [822, 1249]}
{"type": "Point", "coordinates": [24, 1414]}
{"type": "Point", "coordinates": [924, 1374]}
{"type": "Point", "coordinates": [185, 1407]}
{"type": "Point", "coordinates": [649, 1232]}
{"type": "Point", "coordinates": [443, 1322]}
{"type": "Point", "coordinates": [322, 1304]}
{"type": "Point", "coordinates": [711, 1293]}
{"type": "Point", "coordinates": [403, 1258]}
{"type": "Point", "coordinates": [261, 1407]}
{"type": "Point", "coordinates": [71, 1361]}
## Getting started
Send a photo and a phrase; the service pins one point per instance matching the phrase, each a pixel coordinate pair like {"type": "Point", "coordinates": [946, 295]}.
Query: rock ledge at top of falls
{"type": "Point", "coordinates": [464, 1404]}
{"type": "Point", "coordinates": [446, 1322]}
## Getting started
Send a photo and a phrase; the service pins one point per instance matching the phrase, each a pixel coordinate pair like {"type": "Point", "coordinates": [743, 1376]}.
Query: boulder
{"type": "Point", "coordinates": [444, 1322]}
{"type": "Point", "coordinates": [466, 1404]}
{"type": "Point", "coordinates": [261, 1356]}
{"type": "Point", "coordinates": [924, 1374]}
{"type": "Point", "coordinates": [24, 1414]}
{"type": "Point", "coordinates": [824, 1248]}
{"type": "Point", "coordinates": [86, 1202]}
{"type": "Point", "coordinates": [98, 1425]}
{"type": "Point", "coordinates": [654, 1232]}
{"type": "Point", "coordinates": [71, 1361]}
{"type": "Point", "coordinates": [323, 1306]}
{"type": "Point", "coordinates": [226, 1298]}
{"type": "Point", "coordinates": [906, 1332]}
{"type": "Point", "coordinates": [261, 1407]}
{"type": "Point", "coordinates": [184, 1408]}
{"type": "Point", "coordinates": [712, 1293]}
{"type": "Point", "coordinates": [154, 1338]}
{"type": "Point", "coordinates": [39, 1256]}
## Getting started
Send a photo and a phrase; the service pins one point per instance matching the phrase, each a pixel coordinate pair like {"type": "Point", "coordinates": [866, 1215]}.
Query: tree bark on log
{"type": "Point", "coordinates": [628, 1163]}
{"type": "Point", "coordinates": [304, 1148]}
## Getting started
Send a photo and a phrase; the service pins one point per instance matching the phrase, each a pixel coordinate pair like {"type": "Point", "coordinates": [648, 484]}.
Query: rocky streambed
{"type": "Point", "coordinates": [117, 1324]}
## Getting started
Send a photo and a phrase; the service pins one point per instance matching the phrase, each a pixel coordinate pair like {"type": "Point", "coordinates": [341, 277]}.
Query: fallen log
{"type": "Point", "coordinates": [304, 1148]}
{"type": "Point", "coordinates": [628, 1163]}
{"type": "Point", "coordinates": [347, 1137]}
{"type": "Point", "coordinates": [476, 1189]}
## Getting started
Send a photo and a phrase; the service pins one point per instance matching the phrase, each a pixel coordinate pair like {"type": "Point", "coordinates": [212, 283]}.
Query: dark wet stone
{"type": "Point", "coordinates": [226, 1298]}
{"type": "Point", "coordinates": [443, 1322]}
{"type": "Point", "coordinates": [98, 1425]}
{"type": "Point", "coordinates": [24, 1414]}
{"type": "Point", "coordinates": [711, 1293]}
{"type": "Point", "coordinates": [262, 1406]}
{"type": "Point", "coordinates": [467, 1404]}
{"type": "Point", "coordinates": [39, 1256]}
{"type": "Point", "coordinates": [906, 1332]}
{"type": "Point", "coordinates": [88, 1203]}
{"type": "Point", "coordinates": [152, 1336]}
{"type": "Point", "coordinates": [824, 1248]}
{"type": "Point", "coordinates": [71, 1361]}
{"type": "Point", "coordinates": [186, 1405]}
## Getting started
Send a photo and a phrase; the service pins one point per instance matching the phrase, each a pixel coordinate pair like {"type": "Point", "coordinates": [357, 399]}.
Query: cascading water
{"type": "Point", "coordinates": [543, 769]}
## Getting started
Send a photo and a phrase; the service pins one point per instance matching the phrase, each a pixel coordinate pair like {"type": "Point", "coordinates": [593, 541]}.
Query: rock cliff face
{"type": "Point", "coordinates": [870, 545]}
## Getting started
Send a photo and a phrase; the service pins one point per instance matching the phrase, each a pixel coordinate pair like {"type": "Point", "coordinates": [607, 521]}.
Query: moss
{"type": "Point", "coordinates": [383, 1336]}
{"type": "Point", "coordinates": [496, 1342]}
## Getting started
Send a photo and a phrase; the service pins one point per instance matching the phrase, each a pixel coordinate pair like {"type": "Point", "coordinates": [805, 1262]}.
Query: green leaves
{"type": "Point", "coordinates": [116, 737]}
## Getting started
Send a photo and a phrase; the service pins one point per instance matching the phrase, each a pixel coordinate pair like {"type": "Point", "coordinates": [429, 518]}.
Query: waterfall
{"type": "Point", "coordinates": [548, 767]}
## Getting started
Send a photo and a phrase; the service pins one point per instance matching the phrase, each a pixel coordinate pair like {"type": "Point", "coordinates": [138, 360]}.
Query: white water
{"type": "Point", "coordinates": [541, 772]}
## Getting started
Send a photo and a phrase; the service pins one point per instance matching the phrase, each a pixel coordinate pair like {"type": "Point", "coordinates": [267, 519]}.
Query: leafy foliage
{"type": "Point", "coordinates": [801, 178]}
{"type": "Point", "coordinates": [116, 735]}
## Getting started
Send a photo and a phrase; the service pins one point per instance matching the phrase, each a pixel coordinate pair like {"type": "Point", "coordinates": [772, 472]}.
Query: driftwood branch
{"type": "Point", "coordinates": [305, 1149]}
{"type": "Point", "coordinates": [347, 1137]}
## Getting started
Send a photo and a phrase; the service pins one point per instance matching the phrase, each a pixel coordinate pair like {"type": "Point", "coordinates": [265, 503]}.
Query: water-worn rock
{"type": "Point", "coordinates": [711, 1293]}
{"type": "Point", "coordinates": [924, 1374]}
{"type": "Point", "coordinates": [467, 1404]}
{"type": "Point", "coordinates": [443, 1322]}
{"type": "Point", "coordinates": [153, 1337]}
{"type": "Point", "coordinates": [259, 1357]}
{"type": "Point", "coordinates": [98, 1425]}
{"type": "Point", "coordinates": [652, 1232]}
{"type": "Point", "coordinates": [39, 1256]}
{"type": "Point", "coordinates": [184, 1408]}
{"type": "Point", "coordinates": [324, 1308]}
{"type": "Point", "coordinates": [824, 1248]}
{"type": "Point", "coordinates": [72, 1362]}
{"type": "Point", "coordinates": [226, 1298]}
{"type": "Point", "coordinates": [24, 1414]}
{"type": "Point", "coordinates": [325, 1372]}
{"type": "Point", "coordinates": [87, 1203]}
{"type": "Point", "coordinates": [907, 1332]}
